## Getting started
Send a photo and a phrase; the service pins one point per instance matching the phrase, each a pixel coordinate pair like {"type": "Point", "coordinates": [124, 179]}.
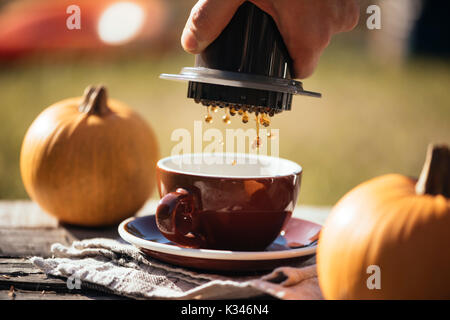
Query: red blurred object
{"type": "Point", "coordinates": [29, 26]}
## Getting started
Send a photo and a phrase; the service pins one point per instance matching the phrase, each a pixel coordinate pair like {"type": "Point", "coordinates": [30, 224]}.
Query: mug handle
{"type": "Point", "coordinates": [176, 220]}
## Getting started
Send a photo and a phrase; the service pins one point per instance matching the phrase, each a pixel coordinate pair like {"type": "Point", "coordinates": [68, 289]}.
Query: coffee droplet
{"type": "Point", "coordinates": [245, 117]}
{"type": "Point", "coordinates": [256, 143]}
{"type": "Point", "coordinates": [264, 120]}
{"type": "Point", "coordinates": [226, 118]}
{"type": "Point", "coordinates": [261, 116]}
{"type": "Point", "coordinates": [208, 118]}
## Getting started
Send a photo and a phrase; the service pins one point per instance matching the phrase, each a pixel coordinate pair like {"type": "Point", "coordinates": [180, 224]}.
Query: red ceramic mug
{"type": "Point", "coordinates": [225, 201]}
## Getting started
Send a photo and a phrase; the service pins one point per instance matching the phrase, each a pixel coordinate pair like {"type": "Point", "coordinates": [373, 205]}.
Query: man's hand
{"type": "Point", "coordinates": [306, 25]}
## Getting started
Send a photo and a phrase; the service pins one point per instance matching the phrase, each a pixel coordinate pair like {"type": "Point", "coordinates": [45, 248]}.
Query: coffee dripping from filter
{"type": "Point", "coordinates": [246, 70]}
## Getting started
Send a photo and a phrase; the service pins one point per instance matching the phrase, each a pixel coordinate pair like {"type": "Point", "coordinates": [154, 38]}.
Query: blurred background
{"type": "Point", "coordinates": [385, 92]}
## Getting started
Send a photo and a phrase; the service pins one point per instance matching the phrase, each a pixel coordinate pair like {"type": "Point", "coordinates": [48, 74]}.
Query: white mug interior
{"type": "Point", "coordinates": [229, 165]}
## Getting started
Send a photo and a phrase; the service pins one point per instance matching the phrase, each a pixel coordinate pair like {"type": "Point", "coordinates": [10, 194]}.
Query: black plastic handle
{"type": "Point", "coordinates": [251, 43]}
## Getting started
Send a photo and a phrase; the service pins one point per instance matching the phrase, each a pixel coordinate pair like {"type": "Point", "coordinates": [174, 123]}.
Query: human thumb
{"type": "Point", "coordinates": [207, 20]}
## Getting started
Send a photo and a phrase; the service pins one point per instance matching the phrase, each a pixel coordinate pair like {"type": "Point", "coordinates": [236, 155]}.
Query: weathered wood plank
{"type": "Point", "coordinates": [23, 242]}
{"type": "Point", "coordinates": [43, 295]}
{"type": "Point", "coordinates": [27, 214]}
{"type": "Point", "coordinates": [35, 282]}
{"type": "Point", "coordinates": [21, 274]}
{"type": "Point", "coordinates": [19, 294]}
{"type": "Point", "coordinates": [23, 213]}
{"type": "Point", "coordinates": [29, 282]}
{"type": "Point", "coordinates": [15, 267]}
{"type": "Point", "coordinates": [80, 233]}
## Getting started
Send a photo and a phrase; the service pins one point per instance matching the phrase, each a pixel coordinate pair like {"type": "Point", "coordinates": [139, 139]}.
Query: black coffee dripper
{"type": "Point", "coordinates": [247, 67]}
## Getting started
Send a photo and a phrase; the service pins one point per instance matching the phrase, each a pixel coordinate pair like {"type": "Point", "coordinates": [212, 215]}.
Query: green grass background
{"type": "Point", "coordinates": [373, 119]}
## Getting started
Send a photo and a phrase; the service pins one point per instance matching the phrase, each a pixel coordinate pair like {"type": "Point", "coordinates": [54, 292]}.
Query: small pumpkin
{"type": "Point", "coordinates": [89, 161]}
{"type": "Point", "coordinates": [394, 223]}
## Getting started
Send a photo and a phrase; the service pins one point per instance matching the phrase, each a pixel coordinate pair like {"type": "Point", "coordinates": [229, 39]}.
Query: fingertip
{"type": "Point", "coordinates": [189, 42]}
{"type": "Point", "coordinates": [352, 15]}
{"type": "Point", "coordinates": [305, 62]}
{"type": "Point", "coordinates": [207, 20]}
{"type": "Point", "coordinates": [303, 71]}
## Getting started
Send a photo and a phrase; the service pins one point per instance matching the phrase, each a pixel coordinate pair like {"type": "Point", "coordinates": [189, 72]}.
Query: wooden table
{"type": "Point", "coordinates": [25, 231]}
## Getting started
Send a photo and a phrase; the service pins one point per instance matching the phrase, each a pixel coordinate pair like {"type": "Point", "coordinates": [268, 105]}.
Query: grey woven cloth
{"type": "Point", "coordinates": [116, 267]}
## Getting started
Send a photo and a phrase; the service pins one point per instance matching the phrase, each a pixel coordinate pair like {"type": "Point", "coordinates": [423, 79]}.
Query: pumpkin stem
{"type": "Point", "coordinates": [435, 176]}
{"type": "Point", "coordinates": [95, 101]}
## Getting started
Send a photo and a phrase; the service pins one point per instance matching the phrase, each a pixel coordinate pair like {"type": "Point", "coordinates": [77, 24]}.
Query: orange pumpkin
{"type": "Point", "coordinates": [89, 161]}
{"type": "Point", "coordinates": [396, 224]}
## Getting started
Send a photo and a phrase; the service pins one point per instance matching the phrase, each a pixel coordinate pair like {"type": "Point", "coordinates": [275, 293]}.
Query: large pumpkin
{"type": "Point", "coordinates": [389, 238]}
{"type": "Point", "coordinates": [90, 160]}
